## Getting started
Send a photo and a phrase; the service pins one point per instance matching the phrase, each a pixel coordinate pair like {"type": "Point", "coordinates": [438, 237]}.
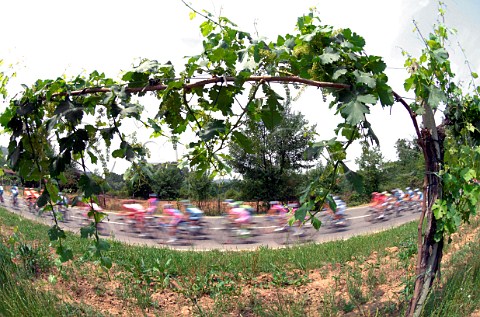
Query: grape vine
{"type": "Point", "coordinates": [58, 122]}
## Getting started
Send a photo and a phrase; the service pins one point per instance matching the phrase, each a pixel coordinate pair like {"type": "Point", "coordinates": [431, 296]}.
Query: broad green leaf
{"type": "Point", "coordinates": [329, 56]}
{"type": "Point", "coordinates": [365, 78]}
{"type": "Point", "coordinates": [118, 153]}
{"type": "Point", "coordinates": [409, 82]}
{"type": "Point", "coordinates": [106, 262]}
{"type": "Point", "coordinates": [243, 141]}
{"type": "Point", "coordinates": [88, 186]}
{"type": "Point", "coordinates": [64, 253]}
{"type": "Point", "coordinates": [338, 73]}
{"type": "Point", "coordinates": [467, 174]}
{"type": "Point", "coordinates": [375, 64]}
{"type": "Point", "coordinates": [439, 210]}
{"type": "Point", "coordinates": [222, 98]}
{"type": "Point", "coordinates": [354, 38]}
{"type": "Point", "coordinates": [435, 97]}
{"type": "Point", "coordinates": [316, 223]}
{"type": "Point", "coordinates": [314, 151]}
{"type": "Point", "coordinates": [367, 99]}
{"type": "Point", "coordinates": [43, 199]}
{"type": "Point", "coordinates": [206, 28]}
{"type": "Point", "coordinates": [301, 213]}
{"type": "Point", "coordinates": [271, 118]}
{"type": "Point", "coordinates": [55, 233]}
{"type": "Point", "coordinates": [103, 245]}
{"type": "Point", "coordinates": [385, 93]}
{"type": "Point", "coordinates": [87, 231]}
{"type": "Point", "coordinates": [212, 129]}
{"type": "Point", "coordinates": [353, 178]}
{"type": "Point", "coordinates": [355, 112]}
{"type": "Point", "coordinates": [441, 55]}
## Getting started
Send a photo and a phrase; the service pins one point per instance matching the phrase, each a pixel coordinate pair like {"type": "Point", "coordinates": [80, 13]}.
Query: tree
{"type": "Point", "coordinates": [198, 188]}
{"type": "Point", "coordinates": [52, 111]}
{"type": "Point", "coordinates": [269, 167]}
{"type": "Point", "coordinates": [168, 180]}
{"type": "Point", "coordinates": [371, 168]}
{"type": "Point", "coordinates": [139, 179]}
{"type": "Point", "coordinates": [116, 182]}
{"type": "Point", "coordinates": [408, 169]}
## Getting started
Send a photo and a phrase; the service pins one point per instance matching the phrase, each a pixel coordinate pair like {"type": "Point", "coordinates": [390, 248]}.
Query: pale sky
{"type": "Point", "coordinates": [45, 39]}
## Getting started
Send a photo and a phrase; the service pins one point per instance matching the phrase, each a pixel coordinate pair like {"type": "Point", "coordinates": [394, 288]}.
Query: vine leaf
{"type": "Point", "coordinates": [89, 186]}
{"type": "Point", "coordinates": [353, 178]}
{"type": "Point", "coordinates": [212, 129]}
{"type": "Point", "coordinates": [329, 56]}
{"type": "Point", "coordinates": [55, 233]}
{"type": "Point", "coordinates": [441, 55]}
{"type": "Point", "coordinates": [270, 117]}
{"type": "Point", "coordinates": [87, 231]}
{"type": "Point", "coordinates": [64, 253]}
{"type": "Point", "coordinates": [364, 78]}
{"type": "Point", "coordinates": [468, 174]}
{"type": "Point", "coordinates": [243, 141]}
{"type": "Point", "coordinates": [355, 111]}
{"type": "Point", "coordinates": [436, 97]}
{"type": "Point", "coordinates": [338, 73]}
{"type": "Point", "coordinates": [385, 93]}
{"type": "Point", "coordinates": [222, 96]}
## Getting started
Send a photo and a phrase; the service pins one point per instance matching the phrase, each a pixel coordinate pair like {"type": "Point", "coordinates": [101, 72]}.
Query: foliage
{"type": "Point", "coordinates": [4, 78]}
{"type": "Point", "coordinates": [167, 181]}
{"type": "Point", "coordinates": [449, 150]}
{"type": "Point", "coordinates": [370, 164]}
{"type": "Point", "coordinates": [115, 182]}
{"type": "Point", "coordinates": [198, 188]}
{"type": "Point", "coordinates": [432, 80]}
{"type": "Point", "coordinates": [138, 179]}
{"type": "Point", "coordinates": [56, 122]}
{"type": "Point", "coordinates": [269, 168]}
{"type": "Point", "coordinates": [408, 169]}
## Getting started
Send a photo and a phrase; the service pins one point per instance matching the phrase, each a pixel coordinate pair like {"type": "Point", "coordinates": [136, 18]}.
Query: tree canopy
{"type": "Point", "coordinates": [271, 167]}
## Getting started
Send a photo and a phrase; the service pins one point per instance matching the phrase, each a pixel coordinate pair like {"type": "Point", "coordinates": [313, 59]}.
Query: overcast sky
{"type": "Point", "coordinates": [45, 39]}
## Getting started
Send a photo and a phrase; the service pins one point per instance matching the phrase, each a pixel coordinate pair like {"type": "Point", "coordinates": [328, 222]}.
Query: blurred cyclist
{"type": "Point", "coordinates": [239, 216]}
{"type": "Point", "coordinates": [152, 204]}
{"type": "Point", "coordinates": [174, 217]}
{"type": "Point", "coordinates": [14, 192]}
{"type": "Point", "coordinates": [278, 214]}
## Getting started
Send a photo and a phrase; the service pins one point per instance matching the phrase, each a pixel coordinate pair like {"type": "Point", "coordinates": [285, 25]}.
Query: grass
{"type": "Point", "coordinates": [18, 298]}
{"type": "Point", "coordinates": [457, 294]}
{"type": "Point", "coordinates": [217, 274]}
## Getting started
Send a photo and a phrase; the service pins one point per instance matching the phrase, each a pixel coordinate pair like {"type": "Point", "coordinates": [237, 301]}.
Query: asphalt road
{"type": "Point", "coordinates": [263, 232]}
